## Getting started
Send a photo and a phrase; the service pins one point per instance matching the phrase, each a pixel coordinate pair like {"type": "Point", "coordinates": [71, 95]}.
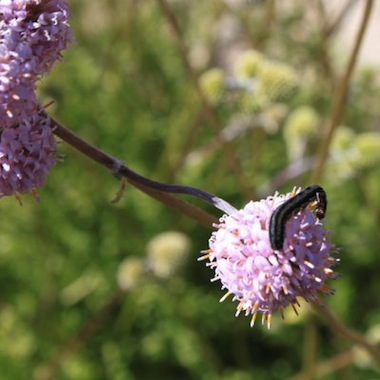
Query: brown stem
{"type": "Point", "coordinates": [92, 326]}
{"type": "Point", "coordinates": [210, 113]}
{"type": "Point", "coordinates": [190, 140]}
{"type": "Point", "coordinates": [116, 167]}
{"type": "Point", "coordinates": [310, 349]}
{"type": "Point", "coordinates": [340, 96]}
{"type": "Point", "coordinates": [337, 326]}
{"type": "Point", "coordinates": [329, 366]}
{"type": "Point", "coordinates": [340, 18]}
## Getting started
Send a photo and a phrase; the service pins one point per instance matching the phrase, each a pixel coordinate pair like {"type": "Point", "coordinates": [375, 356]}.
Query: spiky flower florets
{"type": "Point", "coordinates": [26, 155]}
{"type": "Point", "coordinates": [264, 280]}
{"type": "Point", "coordinates": [33, 34]}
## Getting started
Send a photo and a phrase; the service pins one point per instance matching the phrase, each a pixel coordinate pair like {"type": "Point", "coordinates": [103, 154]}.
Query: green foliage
{"type": "Point", "coordinates": [123, 86]}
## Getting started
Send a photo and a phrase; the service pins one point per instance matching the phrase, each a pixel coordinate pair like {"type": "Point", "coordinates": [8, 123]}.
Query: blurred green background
{"type": "Point", "coordinates": [124, 87]}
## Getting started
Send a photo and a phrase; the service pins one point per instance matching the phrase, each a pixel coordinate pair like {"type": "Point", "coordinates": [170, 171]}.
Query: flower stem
{"type": "Point", "coordinates": [209, 111]}
{"type": "Point", "coordinates": [157, 190]}
{"type": "Point", "coordinates": [338, 327]}
{"type": "Point", "coordinates": [51, 369]}
{"type": "Point", "coordinates": [340, 96]}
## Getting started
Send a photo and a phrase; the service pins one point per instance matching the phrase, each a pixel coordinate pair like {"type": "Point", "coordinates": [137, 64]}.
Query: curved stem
{"type": "Point", "coordinates": [338, 327]}
{"type": "Point", "coordinates": [147, 185]}
{"type": "Point", "coordinates": [310, 349]}
{"type": "Point", "coordinates": [210, 113]}
{"type": "Point", "coordinates": [340, 96]}
{"type": "Point", "coordinates": [51, 369]}
{"type": "Point", "coordinates": [326, 367]}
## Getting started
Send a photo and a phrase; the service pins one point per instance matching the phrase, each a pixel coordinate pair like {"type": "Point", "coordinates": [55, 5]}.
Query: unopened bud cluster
{"type": "Point", "coordinates": [351, 153]}
{"type": "Point", "coordinates": [300, 127]}
{"type": "Point", "coordinates": [257, 83]}
{"type": "Point", "coordinates": [167, 253]}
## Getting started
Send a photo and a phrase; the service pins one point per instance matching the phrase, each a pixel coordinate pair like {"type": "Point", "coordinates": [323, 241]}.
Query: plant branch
{"type": "Point", "coordinates": [329, 366]}
{"type": "Point", "coordinates": [210, 113]}
{"type": "Point", "coordinates": [340, 96]}
{"type": "Point", "coordinates": [337, 326]}
{"type": "Point", "coordinates": [160, 191]}
{"type": "Point", "coordinates": [50, 370]}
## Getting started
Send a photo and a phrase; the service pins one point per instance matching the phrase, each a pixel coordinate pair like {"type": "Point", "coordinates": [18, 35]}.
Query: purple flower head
{"type": "Point", "coordinates": [26, 154]}
{"type": "Point", "coordinates": [33, 34]}
{"type": "Point", "coordinates": [264, 280]}
{"type": "Point", "coordinates": [49, 32]}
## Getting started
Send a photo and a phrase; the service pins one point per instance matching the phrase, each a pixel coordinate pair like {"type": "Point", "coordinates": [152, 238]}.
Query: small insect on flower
{"type": "Point", "coordinates": [282, 214]}
{"type": "Point", "coordinates": [262, 278]}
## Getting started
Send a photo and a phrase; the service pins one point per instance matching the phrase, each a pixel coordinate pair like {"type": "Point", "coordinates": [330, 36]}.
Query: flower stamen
{"type": "Point", "coordinates": [269, 321]}
{"type": "Point", "coordinates": [206, 255]}
{"type": "Point", "coordinates": [225, 296]}
{"type": "Point", "coordinates": [309, 264]}
{"type": "Point", "coordinates": [253, 319]}
{"type": "Point", "coordinates": [239, 309]}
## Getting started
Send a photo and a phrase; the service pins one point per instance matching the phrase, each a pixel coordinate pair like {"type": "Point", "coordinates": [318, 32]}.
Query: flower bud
{"type": "Point", "coordinates": [368, 149]}
{"type": "Point", "coordinates": [248, 64]}
{"type": "Point", "coordinates": [276, 80]}
{"type": "Point", "coordinates": [130, 273]}
{"type": "Point", "coordinates": [300, 126]}
{"type": "Point", "coordinates": [212, 83]}
{"type": "Point", "coordinates": [167, 253]}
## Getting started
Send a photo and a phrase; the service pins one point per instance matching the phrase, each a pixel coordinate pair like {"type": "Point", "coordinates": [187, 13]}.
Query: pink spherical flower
{"type": "Point", "coordinates": [260, 278]}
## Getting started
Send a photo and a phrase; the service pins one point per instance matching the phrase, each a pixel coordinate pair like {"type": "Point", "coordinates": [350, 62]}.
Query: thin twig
{"type": "Point", "coordinates": [210, 113]}
{"type": "Point", "coordinates": [329, 366]}
{"type": "Point", "coordinates": [233, 130]}
{"type": "Point", "coordinates": [50, 370]}
{"type": "Point", "coordinates": [310, 349]}
{"type": "Point", "coordinates": [340, 96]}
{"type": "Point", "coordinates": [337, 326]}
{"type": "Point", "coordinates": [290, 173]}
{"type": "Point", "coordinates": [324, 53]}
{"type": "Point", "coordinates": [190, 140]}
{"type": "Point", "coordinates": [333, 26]}
{"type": "Point", "coordinates": [157, 190]}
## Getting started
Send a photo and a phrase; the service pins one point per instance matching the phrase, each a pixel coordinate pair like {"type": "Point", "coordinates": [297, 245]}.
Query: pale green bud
{"type": "Point", "coordinates": [343, 155]}
{"type": "Point", "coordinates": [342, 140]}
{"type": "Point", "coordinates": [300, 126]}
{"type": "Point", "coordinates": [252, 102]}
{"type": "Point", "coordinates": [272, 117]}
{"type": "Point", "coordinates": [276, 80]}
{"type": "Point", "coordinates": [368, 148]}
{"type": "Point", "coordinates": [212, 84]}
{"type": "Point", "coordinates": [302, 121]}
{"type": "Point", "coordinates": [247, 65]}
{"type": "Point", "coordinates": [167, 253]}
{"type": "Point", "coordinates": [130, 273]}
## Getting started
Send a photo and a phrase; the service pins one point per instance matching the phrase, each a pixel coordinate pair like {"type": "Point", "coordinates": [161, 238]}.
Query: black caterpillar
{"type": "Point", "coordinates": [282, 213]}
